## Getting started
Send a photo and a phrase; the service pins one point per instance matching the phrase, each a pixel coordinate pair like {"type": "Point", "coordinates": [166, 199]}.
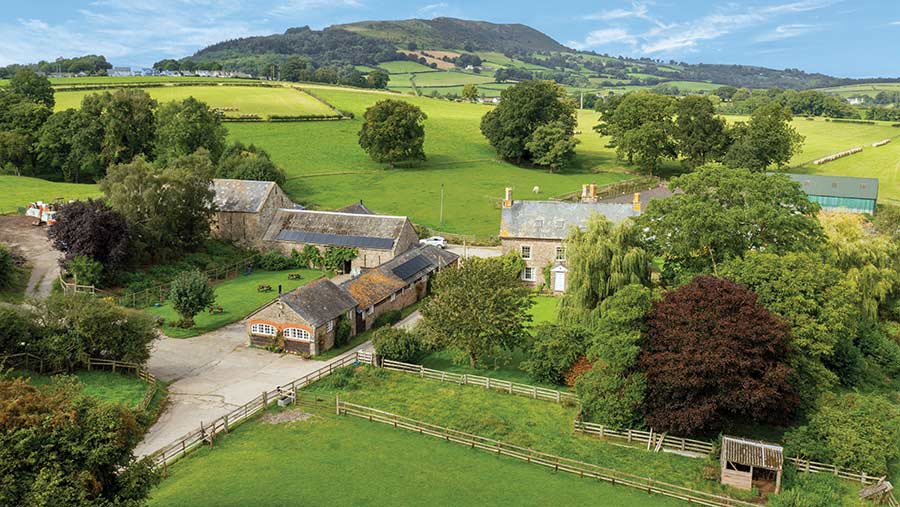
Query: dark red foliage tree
{"type": "Point", "coordinates": [714, 355]}
{"type": "Point", "coordinates": [93, 229]}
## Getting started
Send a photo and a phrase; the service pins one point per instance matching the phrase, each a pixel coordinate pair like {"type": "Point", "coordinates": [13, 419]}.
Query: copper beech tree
{"type": "Point", "coordinates": [714, 355]}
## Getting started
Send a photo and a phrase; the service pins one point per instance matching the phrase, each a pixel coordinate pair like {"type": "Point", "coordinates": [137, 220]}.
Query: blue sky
{"type": "Point", "coordinates": [853, 38]}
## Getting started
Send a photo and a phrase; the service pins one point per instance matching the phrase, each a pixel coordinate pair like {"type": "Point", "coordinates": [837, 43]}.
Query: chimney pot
{"type": "Point", "coordinates": [508, 200]}
{"type": "Point", "coordinates": [636, 203]}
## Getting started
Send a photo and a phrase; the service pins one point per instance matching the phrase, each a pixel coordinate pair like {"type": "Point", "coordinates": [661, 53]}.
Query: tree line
{"type": "Point", "coordinates": [92, 65]}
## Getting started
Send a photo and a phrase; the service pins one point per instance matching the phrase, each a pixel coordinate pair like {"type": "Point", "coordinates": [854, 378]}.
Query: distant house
{"type": "Point", "coordinates": [396, 284]}
{"type": "Point", "coordinates": [305, 320]}
{"type": "Point", "coordinates": [119, 71]}
{"type": "Point", "coordinates": [244, 209]}
{"type": "Point", "coordinates": [536, 231]}
{"type": "Point", "coordinates": [377, 238]}
{"type": "Point", "coordinates": [840, 193]}
{"type": "Point", "coordinates": [489, 100]}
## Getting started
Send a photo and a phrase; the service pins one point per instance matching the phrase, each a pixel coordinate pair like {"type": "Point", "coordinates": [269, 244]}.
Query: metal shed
{"type": "Point", "coordinates": [741, 458]}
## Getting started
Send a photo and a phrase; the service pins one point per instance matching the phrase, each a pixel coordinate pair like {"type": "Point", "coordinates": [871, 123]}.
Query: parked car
{"type": "Point", "coordinates": [437, 241]}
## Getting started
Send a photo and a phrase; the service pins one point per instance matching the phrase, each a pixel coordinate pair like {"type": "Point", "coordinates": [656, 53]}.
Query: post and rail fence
{"type": "Point", "coordinates": [649, 438]}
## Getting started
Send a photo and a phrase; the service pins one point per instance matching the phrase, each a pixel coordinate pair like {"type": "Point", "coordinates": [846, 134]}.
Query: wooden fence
{"type": "Point", "coordinates": [557, 463]}
{"type": "Point", "coordinates": [74, 288]}
{"type": "Point", "coordinates": [504, 386]}
{"type": "Point", "coordinates": [30, 361]}
{"type": "Point", "coordinates": [207, 432]}
{"type": "Point", "coordinates": [159, 293]}
{"type": "Point", "coordinates": [648, 438]}
{"type": "Point", "coordinates": [814, 467]}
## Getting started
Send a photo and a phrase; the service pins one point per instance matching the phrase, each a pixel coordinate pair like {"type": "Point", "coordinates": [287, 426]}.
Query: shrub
{"type": "Point", "coordinates": [92, 229]}
{"type": "Point", "coordinates": [7, 268]}
{"type": "Point", "coordinates": [613, 400]}
{"type": "Point", "coordinates": [581, 366]}
{"type": "Point", "coordinates": [388, 318]}
{"type": "Point", "coordinates": [191, 294]}
{"type": "Point", "coordinates": [397, 344]}
{"type": "Point", "coordinates": [86, 270]}
{"type": "Point", "coordinates": [342, 332]}
{"type": "Point", "coordinates": [274, 260]}
{"type": "Point", "coordinates": [309, 257]}
{"type": "Point", "coordinates": [811, 490]}
{"type": "Point", "coordinates": [854, 431]}
{"type": "Point", "coordinates": [18, 330]}
{"type": "Point", "coordinates": [554, 350]}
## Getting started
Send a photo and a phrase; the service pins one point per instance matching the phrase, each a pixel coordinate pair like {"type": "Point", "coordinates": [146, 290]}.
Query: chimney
{"type": "Point", "coordinates": [589, 193]}
{"type": "Point", "coordinates": [584, 192]}
{"type": "Point", "coordinates": [508, 200]}
{"type": "Point", "coordinates": [636, 203]}
{"type": "Point", "coordinates": [593, 191]}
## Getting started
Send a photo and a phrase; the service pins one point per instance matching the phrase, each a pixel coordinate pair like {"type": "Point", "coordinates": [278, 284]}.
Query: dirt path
{"type": "Point", "coordinates": [32, 242]}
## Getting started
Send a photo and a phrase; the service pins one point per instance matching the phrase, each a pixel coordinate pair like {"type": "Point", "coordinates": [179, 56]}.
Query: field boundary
{"type": "Point", "coordinates": [93, 363]}
{"type": "Point", "coordinates": [651, 439]}
{"type": "Point", "coordinates": [557, 463]}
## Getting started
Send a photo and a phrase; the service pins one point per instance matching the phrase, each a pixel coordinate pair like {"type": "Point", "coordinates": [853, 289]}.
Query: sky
{"type": "Point", "coordinates": [846, 38]}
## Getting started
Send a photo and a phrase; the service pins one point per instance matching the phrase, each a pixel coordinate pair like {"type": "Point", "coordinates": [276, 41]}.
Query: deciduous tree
{"type": "Point", "coordinates": [553, 350]}
{"type": "Point", "coordinates": [641, 127]}
{"type": "Point", "coordinates": [187, 126]}
{"type": "Point", "coordinates": [191, 294]}
{"type": "Point", "coordinates": [470, 92]}
{"type": "Point", "coordinates": [393, 131]}
{"type": "Point", "coordinates": [552, 146]}
{"type": "Point", "coordinates": [767, 139]}
{"type": "Point", "coordinates": [36, 88]}
{"type": "Point", "coordinates": [92, 229]}
{"type": "Point", "coordinates": [701, 135]}
{"type": "Point", "coordinates": [242, 162]}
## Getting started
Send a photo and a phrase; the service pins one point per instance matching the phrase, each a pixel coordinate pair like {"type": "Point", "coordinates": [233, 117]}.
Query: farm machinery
{"type": "Point", "coordinates": [43, 212]}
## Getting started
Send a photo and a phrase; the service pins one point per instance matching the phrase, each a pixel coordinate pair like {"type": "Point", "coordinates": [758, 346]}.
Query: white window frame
{"type": "Point", "coordinates": [522, 250]}
{"type": "Point", "coordinates": [560, 253]}
{"type": "Point", "coordinates": [525, 276]}
{"type": "Point", "coordinates": [330, 326]}
{"type": "Point", "coordinates": [263, 330]}
{"type": "Point", "coordinates": [394, 295]}
{"type": "Point", "coordinates": [297, 334]}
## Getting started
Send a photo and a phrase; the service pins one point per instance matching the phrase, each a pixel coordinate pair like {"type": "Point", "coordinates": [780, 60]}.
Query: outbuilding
{"type": "Point", "coordinates": [744, 461]}
{"type": "Point", "coordinates": [244, 209]}
{"type": "Point", "coordinates": [840, 193]}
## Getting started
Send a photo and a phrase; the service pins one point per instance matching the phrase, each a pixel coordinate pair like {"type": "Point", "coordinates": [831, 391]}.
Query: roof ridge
{"type": "Point", "coordinates": [340, 213]}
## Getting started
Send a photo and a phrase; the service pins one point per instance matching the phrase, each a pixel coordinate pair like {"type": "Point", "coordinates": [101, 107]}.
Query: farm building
{"type": "Point", "coordinates": [396, 284]}
{"type": "Point", "coordinates": [840, 193]}
{"type": "Point", "coordinates": [377, 238]}
{"type": "Point", "coordinates": [745, 461]}
{"type": "Point", "coordinates": [245, 208]}
{"type": "Point", "coordinates": [357, 208]}
{"type": "Point", "coordinates": [536, 230]}
{"type": "Point", "coordinates": [305, 320]}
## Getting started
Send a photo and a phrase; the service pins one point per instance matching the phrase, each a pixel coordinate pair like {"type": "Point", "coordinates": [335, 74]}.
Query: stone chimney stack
{"type": "Point", "coordinates": [589, 193]}
{"type": "Point", "coordinates": [593, 191]}
{"type": "Point", "coordinates": [636, 203]}
{"type": "Point", "coordinates": [508, 200]}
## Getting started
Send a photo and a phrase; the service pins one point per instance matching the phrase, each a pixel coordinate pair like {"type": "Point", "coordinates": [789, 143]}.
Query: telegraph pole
{"type": "Point", "coordinates": [442, 204]}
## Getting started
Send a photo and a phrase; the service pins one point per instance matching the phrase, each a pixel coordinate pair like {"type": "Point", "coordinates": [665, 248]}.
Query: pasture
{"type": "Point", "coordinates": [120, 388]}
{"type": "Point", "coordinates": [262, 101]}
{"type": "Point", "coordinates": [870, 89]}
{"type": "Point", "coordinates": [238, 298]}
{"type": "Point", "coordinates": [17, 191]}
{"type": "Point", "coordinates": [348, 461]}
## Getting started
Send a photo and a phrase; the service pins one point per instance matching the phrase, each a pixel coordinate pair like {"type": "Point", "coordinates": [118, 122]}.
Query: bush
{"type": "Point", "coordinates": [191, 294]}
{"type": "Point", "coordinates": [342, 332]}
{"type": "Point", "coordinates": [7, 268]}
{"type": "Point", "coordinates": [388, 318]}
{"type": "Point", "coordinates": [811, 490]}
{"type": "Point", "coordinates": [274, 260]}
{"type": "Point", "coordinates": [853, 431]}
{"type": "Point", "coordinates": [554, 350]}
{"type": "Point", "coordinates": [18, 330]}
{"type": "Point", "coordinates": [86, 270]}
{"type": "Point", "coordinates": [397, 344]}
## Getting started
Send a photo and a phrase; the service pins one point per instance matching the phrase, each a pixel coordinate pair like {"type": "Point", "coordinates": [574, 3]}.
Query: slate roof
{"type": "Point", "coordinates": [241, 196]}
{"type": "Point", "coordinates": [335, 228]}
{"type": "Point", "coordinates": [357, 208]}
{"type": "Point", "coordinates": [379, 283]}
{"type": "Point", "coordinates": [647, 195]}
{"type": "Point", "coordinates": [319, 301]}
{"type": "Point", "coordinates": [554, 219]}
{"type": "Point", "coordinates": [837, 186]}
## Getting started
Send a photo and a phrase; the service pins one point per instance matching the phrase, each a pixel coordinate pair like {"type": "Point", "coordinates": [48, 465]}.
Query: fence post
{"type": "Point", "coordinates": [488, 384]}
{"type": "Point", "coordinates": [629, 435]}
{"type": "Point", "coordinates": [557, 396]}
{"type": "Point", "coordinates": [265, 400]}
{"type": "Point", "coordinates": [534, 392]}
{"type": "Point", "coordinates": [226, 423]}
{"type": "Point", "coordinates": [337, 404]}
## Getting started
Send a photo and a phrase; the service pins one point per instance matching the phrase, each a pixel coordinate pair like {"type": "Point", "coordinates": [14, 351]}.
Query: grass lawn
{"type": "Point", "coordinates": [238, 297]}
{"type": "Point", "coordinates": [15, 293]}
{"type": "Point", "coordinates": [122, 388]}
{"type": "Point", "coordinates": [17, 191]}
{"type": "Point", "coordinates": [329, 460]}
{"type": "Point", "coordinates": [544, 309]}
{"type": "Point", "coordinates": [247, 99]}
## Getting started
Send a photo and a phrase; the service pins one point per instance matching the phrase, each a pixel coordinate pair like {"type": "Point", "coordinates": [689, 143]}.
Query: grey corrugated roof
{"type": "Point", "coordinates": [319, 301]}
{"type": "Point", "coordinates": [241, 196]}
{"type": "Point", "coordinates": [837, 186]}
{"type": "Point", "coordinates": [334, 228]}
{"type": "Point", "coordinates": [554, 219]}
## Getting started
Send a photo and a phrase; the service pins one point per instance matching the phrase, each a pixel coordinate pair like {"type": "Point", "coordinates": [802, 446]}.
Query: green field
{"type": "Point", "coordinates": [327, 460]}
{"type": "Point", "coordinates": [402, 67]}
{"type": "Point", "coordinates": [262, 101]}
{"type": "Point", "coordinates": [16, 192]}
{"type": "Point", "coordinates": [110, 80]}
{"type": "Point", "coordinates": [238, 298]}
{"type": "Point", "coordinates": [128, 390]}
{"type": "Point", "coordinates": [871, 89]}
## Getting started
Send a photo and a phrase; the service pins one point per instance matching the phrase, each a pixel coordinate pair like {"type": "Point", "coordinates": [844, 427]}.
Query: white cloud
{"type": "Point", "coordinates": [296, 7]}
{"type": "Point", "coordinates": [606, 36]}
{"type": "Point", "coordinates": [433, 9]}
{"type": "Point", "coordinates": [895, 23]}
{"type": "Point", "coordinates": [801, 6]}
{"type": "Point", "coordinates": [782, 32]}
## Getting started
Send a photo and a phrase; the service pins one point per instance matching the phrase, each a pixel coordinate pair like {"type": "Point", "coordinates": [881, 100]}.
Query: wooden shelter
{"type": "Point", "coordinates": [744, 460]}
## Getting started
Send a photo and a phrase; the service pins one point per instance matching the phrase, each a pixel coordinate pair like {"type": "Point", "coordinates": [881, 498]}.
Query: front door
{"type": "Point", "coordinates": [559, 281]}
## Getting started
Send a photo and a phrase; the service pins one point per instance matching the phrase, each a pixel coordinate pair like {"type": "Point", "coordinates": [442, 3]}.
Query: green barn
{"type": "Point", "coordinates": [840, 193]}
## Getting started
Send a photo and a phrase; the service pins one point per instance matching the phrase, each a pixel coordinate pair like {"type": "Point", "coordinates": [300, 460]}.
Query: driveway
{"type": "Point", "coordinates": [32, 242]}
{"type": "Point", "coordinates": [474, 251]}
{"type": "Point", "coordinates": [211, 375]}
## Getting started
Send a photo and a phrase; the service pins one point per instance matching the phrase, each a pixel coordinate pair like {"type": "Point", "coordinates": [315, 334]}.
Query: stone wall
{"type": "Point", "coordinates": [543, 252]}
{"type": "Point", "coordinates": [408, 296]}
{"type": "Point", "coordinates": [248, 229]}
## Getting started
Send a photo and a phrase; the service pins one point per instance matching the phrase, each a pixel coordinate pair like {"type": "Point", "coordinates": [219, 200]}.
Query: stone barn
{"type": "Point", "coordinates": [244, 209]}
{"type": "Point", "coordinates": [377, 238]}
{"type": "Point", "coordinates": [396, 284]}
{"type": "Point", "coordinates": [305, 320]}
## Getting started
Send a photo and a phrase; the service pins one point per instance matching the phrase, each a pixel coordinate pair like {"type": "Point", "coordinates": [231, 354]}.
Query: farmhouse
{"type": "Point", "coordinates": [377, 238]}
{"type": "Point", "coordinates": [305, 320]}
{"type": "Point", "coordinates": [840, 193]}
{"type": "Point", "coordinates": [245, 208]}
{"type": "Point", "coordinates": [536, 230]}
{"type": "Point", "coordinates": [396, 284]}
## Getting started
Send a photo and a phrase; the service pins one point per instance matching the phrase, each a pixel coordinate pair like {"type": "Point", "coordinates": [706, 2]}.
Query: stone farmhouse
{"type": "Point", "coordinates": [305, 320]}
{"type": "Point", "coordinates": [536, 230]}
{"type": "Point", "coordinates": [396, 284]}
{"type": "Point", "coordinates": [245, 208]}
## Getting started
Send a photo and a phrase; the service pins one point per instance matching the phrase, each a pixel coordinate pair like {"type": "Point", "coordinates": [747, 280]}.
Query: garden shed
{"type": "Point", "coordinates": [744, 461]}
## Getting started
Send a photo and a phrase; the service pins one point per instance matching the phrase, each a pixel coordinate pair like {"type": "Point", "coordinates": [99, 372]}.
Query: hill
{"type": "Point", "coordinates": [452, 33]}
